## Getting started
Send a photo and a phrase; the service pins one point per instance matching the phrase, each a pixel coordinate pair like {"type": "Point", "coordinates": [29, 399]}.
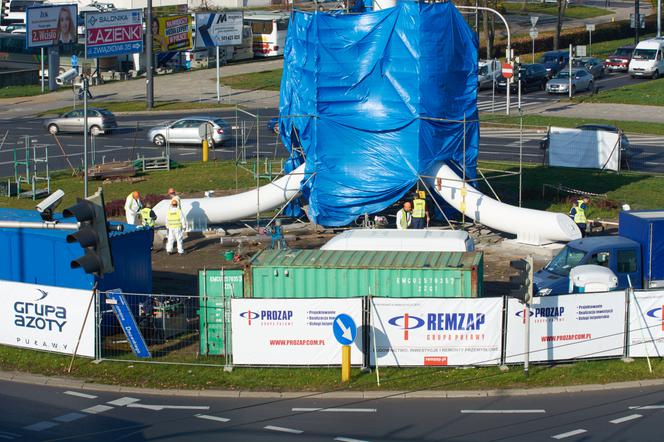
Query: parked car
{"type": "Point", "coordinates": [273, 125]}
{"type": "Point", "coordinates": [593, 65]}
{"type": "Point", "coordinates": [185, 131]}
{"type": "Point", "coordinates": [619, 60]}
{"type": "Point", "coordinates": [582, 80]}
{"type": "Point", "coordinates": [625, 147]}
{"type": "Point", "coordinates": [533, 77]}
{"type": "Point", "coordinates": [554, 61]}
{"type": "Point", "coordinates": [99, 121]}
{"type": "Point", "coordinates": [488, 71]}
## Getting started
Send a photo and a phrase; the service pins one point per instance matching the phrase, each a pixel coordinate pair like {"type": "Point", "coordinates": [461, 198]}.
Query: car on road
{"type": "Point", "coordinates": [533, 77]}
{"type": "Point", "coordinates": [593, 65]}
{"type": "Point", "coordinates": [554, 61]}
{"type": "Point", "coordinates": [625, 147]}
{"type": "Point", "coordinates": [488, 71]}
{"type": "Point", "coordinates": [619, 60]}
{"type": "Point", "coordinates": [582, 80]}
{"type": "Point", "coordinates": [648, 59]}
{"type": "Point", "coordinates": [186, 131]}
{"type": "Point", "coordinates": [99, 121]}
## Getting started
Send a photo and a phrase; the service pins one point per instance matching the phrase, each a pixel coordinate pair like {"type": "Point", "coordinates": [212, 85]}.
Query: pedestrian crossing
{"type": "Point", "coordinates": [499, 103]}
{"type": "Point", "coordinates": [645, 140]}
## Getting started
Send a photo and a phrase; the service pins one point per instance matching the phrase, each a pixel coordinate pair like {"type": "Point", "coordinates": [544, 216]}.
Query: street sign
{"type": "Point", "coordinates": [116, 299]}
{"type": "Point", "coordinates": [581, 50]}
{"type": "Point", "coordinates": [74, 61]}
{"type": "Point", "coordinates": [590, 28]}
{"type": "Point", "coordinates": [533, 33]}
{"type": "Point", "coordinates": [344, 329]}
{"type": "Point", "coordinates": [507, 70]}
{"type": "Point", "coordinates": [642, 21]}
{"type": "Point", "coordinates": [533, 20]}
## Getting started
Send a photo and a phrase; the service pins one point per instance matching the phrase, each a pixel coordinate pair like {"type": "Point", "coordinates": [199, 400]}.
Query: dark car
{"type": "Point", "coordinates": [619, 60]}
{"type": "Point", "coordinates": [593, 65]}
{"type": "Point", "coordinates": [532, 77]}
{"type": "Point", "coordinates": [625, 148]}
{"type": "Point", "coordinates": [554, 61]}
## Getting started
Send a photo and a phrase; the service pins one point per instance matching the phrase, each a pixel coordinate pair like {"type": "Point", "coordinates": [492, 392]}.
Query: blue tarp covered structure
{"type": "Point", "coordinates": [377, 100]}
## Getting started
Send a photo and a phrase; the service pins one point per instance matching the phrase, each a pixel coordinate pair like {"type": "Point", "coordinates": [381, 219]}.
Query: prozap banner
{"type": "Point", "coordinates": [113, 33]}
{"type": "Point", "coordinates": [588, 325]}
{"type": "Point", "coordinates": [436, 332]}
{"type": "Point", "coordinates": [51, 25]}
{"type": "Point", "coordinates": [172, 33]}
{"type": "Point", "coordinates": [292, 331]}
{"type": "Point", "coordinates": [46, 318]}
{"type": "Point", "coordinates": [646, 324]}
{"type": "Point", "coordinates": [219, 29]}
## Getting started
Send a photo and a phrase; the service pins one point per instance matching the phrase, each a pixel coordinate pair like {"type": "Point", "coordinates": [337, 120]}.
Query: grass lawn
{"type": "Point", "coordinates": [136, 106]}
{"type": "Point", "coordinates": [21, 91]}
{"type": "Point", "coordinates": [325, 379]}
{"type": "Point", "coordinates": [571, 11]}
{"type": "Point", "coordinates": [646, 92]}
{"type": "Point", "coordinates": [265, 80]}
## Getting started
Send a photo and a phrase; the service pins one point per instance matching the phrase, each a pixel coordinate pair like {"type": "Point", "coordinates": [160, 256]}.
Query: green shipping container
{"type": "Point", "coordinates": [211, 311]}
{"type": "Point", "coordinates": [341, 274]}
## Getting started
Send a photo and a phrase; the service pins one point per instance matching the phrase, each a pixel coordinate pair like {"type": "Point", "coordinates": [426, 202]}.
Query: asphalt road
{"type": "Point", "coordinates": [47, 413]}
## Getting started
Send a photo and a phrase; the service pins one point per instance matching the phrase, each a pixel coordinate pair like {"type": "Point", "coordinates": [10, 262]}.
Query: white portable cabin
{"type": "Point", "coordinates": [402, 240]}
{"type": "Point", "coordinates": [592, 278]}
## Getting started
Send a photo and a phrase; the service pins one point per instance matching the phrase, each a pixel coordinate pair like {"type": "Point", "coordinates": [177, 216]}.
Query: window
{"type": "Point", "coordinates": [600, 259]}
{"type": "Point", "coordinates": [626, 261]}
{"type": "Point", "coordinates": [644, 54]}
{"type": "Point", "coordinates": [565, 260]}
{"type": "Point", "coordinates": [261, 27]}
{"type": "Point", "coordinates": [282, 25]}
{"type": "Point", "coordinates": [74, 114]}
{"type": "Point", "coordinates": [179, 124]}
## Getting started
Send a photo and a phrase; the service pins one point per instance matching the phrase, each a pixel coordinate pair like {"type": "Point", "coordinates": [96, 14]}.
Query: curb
{"type": "Point", "coordinates": [52, 381]}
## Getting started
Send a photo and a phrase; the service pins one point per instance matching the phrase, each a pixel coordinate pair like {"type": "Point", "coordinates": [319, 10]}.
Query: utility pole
{"type": "Point", "coordinates": [637, 22]}
{"type": "Point", "coordinates": [149, 82]}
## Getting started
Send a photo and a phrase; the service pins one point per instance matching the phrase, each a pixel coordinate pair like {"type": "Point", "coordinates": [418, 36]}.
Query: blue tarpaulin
{"type": "Point", "coordinates": [370, 97]}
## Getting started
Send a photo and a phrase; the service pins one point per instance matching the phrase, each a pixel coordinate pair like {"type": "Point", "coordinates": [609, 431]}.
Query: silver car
{"type": "Point", "coordinates": [581, 80]}
{"type": "Point", "coordinates": [99, 121]}
{"type": "Point", "coordinates": [186, 131]}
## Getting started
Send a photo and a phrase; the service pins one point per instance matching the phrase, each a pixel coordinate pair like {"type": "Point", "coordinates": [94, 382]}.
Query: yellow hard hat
{"type": "Point", "coordinates": [135, 194]}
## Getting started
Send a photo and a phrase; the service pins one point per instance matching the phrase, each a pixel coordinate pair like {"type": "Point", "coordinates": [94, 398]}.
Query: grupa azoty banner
{"type": "Point", "coordinates": [46, 318]}
{"type": "Point", "coordinates": [588, 325]}
{"type": "Point", "coordinates": [436, 332]}
{"type": "Point", "coordinates": [291, 331]}
{"type": "Point", "coordinates": [108, 34]}
{"type": "Point", "coordinates": [646, 324]}
{"type": "Point", "coordinates": [51, 25]}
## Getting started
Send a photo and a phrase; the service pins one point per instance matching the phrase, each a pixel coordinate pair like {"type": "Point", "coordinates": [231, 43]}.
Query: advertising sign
{"type": "Point", "coordinates": [108, 34]}
{"type": "Point", "coordinates": [437, 332]}
{"type": "Point", "coordinates": [51, 25]}
{"type": "Point", "coordinates": [646, 324]}
{"type": "Point", "coordinates": [291, 331]}
{"type": "Point", "coordinates": [46, 318]}
{"type": "Point", "coordinates": [121, 309]}
{"type": "Point", "coordinates": [171, 33]}
{"type": "Point", "coordinates": [219, 29]}
{"type": "Point", "coordinates": [161, 11]}
{"type": "Point", "coordinates": [589, 325]}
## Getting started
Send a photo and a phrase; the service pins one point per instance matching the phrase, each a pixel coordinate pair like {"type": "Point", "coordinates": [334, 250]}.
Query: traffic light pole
{"type": "Point", "coordinates": [86, 132]}
{"type": "Point", "coordinates": [38, 225]}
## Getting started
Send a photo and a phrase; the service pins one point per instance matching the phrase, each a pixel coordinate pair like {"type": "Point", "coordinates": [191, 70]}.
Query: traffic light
{"type": "Point", "coordinates": [92, 235]}
{"type": "Point", "coordinates": [524, 279]}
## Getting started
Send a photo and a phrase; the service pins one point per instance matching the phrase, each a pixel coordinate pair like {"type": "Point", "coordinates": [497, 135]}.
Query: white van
{"type": "Point", "coordinates": [402, 240]}
{"type": "Point", "coordinates": [648, 59]}
{"type": "Point", "coordinates": [488, 71]}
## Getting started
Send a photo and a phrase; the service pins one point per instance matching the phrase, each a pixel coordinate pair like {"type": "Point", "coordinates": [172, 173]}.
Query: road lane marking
{"type": "Point", "coordinates": [646, 407]}
{"type": "Point", "coordinates": [69, 417]}
{"type": "Point", "coordinates": [631, 417]}
{"type": "Point", "coordinates": [348, 439]}
{"type": "Point", "coordinates": [185, 153]}
{"type": "Point", "coordinates": [212, 418]}
{"type": "Point", "coordinates": [41, 426]}
{"type": "Point", "coordinates": [170, 407]}
{"type": "Point", "coordinates": [96, 409]}
{"type": "Point", "coordinates": [123, 401]}
{"type": "Point", "coordinates": [283, 429]}
{"type": "Point", "coordinates": [502, 411]}
{"type": "Point", "coordinates": [569, 434]}
{"type": "Point", "coordinates": [338, 410]}
{"type": "Point", "coordinates": [83, 395]}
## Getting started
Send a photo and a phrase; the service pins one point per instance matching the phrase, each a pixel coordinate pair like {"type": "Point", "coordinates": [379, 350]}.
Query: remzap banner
{"type": "Point", "coordinates": [291, 331]}
{"type": "Point", "coordinates": [46, 318]}
{"type": "Point", "coordinates": [113, 33]}
{"type": "Point", "coordinates": [219, 29]}
{"type": "Point", "coordinates": [646, 324]}
{"type": "Point", "coordinates": [51, 25]}
{"type": "Point", "coordinates": [588, 325]}
{"type": "Point", "coordinates": [437, 332]}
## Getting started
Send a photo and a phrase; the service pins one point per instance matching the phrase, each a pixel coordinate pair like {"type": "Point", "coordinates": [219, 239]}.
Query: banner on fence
{"type": "Point", "coordinates": [291, 331]}
{"type": "Point", "coordinates": [51, 25]}
{"type": "Point", "coordinates": [443, 331]}
{"type": "Point", "coordinates": [646, 324]}
{"type": "Point", "coordinates": [219, 29]}
{"type": "Point", "coordinates": [114, 33]}
{"type": "Point", "coordinates": [46, 318]}
{"type": "Point", "coordinates": [567, 327]}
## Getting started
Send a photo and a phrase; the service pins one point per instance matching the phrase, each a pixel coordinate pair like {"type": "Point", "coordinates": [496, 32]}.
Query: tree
{"type": "Point", "coordinates": [562, 4]}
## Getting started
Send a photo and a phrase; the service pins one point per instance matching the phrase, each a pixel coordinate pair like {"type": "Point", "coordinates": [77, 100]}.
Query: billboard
{"type": "Point", "coordinates": [291, 331]}
{"type": "Point", "coordinates": [646, 324]}
{"type": "Point", "coordinates": [171, 33]}
{"type": "Point", "coordinates": [51, 25]}
{"type": "Point", "coordinates": [113, 33]}
{"type": "Point", "coordinates": [219, 29]}
{"type": "Point", "coordinates": [589, 325]}
{"type": "Point", "coordinates": [162, 11]}
{"type": "Point", "coordinates": [46, 318]}
{"type": "Point", "coordinates": [436, 332]}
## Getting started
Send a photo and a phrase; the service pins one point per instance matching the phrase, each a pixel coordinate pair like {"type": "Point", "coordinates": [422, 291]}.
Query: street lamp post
{"type": "Point", "coordinates": [149, 78]}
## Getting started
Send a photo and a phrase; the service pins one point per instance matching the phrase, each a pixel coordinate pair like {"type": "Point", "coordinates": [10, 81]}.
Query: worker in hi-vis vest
{"type": "Point", "coordinates": [404, 217]}
{"type": "Point", "coordinates": [579, 214]}
{"type": "Point", "coordinates": [176, 225]}
{"type": "Point", "coordinates": [132, 208]}
{"type": "Point", "coordinates": [420, 211]}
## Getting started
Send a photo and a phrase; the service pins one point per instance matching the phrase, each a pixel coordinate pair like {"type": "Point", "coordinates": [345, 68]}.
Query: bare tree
{"type": "Point", "coordinates": [562, 4]}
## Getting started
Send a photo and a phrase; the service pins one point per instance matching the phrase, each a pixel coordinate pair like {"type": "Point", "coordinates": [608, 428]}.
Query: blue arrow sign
{"type": "Point", "coordinates": [74, 61]}
{"type": "Point", "coordinates": [344, 329]}
{"type": "Point", "coordinates": [128, 323]}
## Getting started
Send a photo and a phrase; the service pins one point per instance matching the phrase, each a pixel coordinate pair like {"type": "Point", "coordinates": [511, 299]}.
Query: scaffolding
{"type": "Point", "coordinates": [30, 161]}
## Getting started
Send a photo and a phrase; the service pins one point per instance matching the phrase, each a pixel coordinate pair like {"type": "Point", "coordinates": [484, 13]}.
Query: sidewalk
{"type": "Point", "coordinates": [606, 111]}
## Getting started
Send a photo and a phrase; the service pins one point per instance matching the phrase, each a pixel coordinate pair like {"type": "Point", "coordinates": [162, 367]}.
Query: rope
{"type": "Point", "coordinates": [575, 191]}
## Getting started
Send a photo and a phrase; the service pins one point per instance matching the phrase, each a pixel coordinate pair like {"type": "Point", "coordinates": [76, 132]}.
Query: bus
{"type": "Point", "coordinates": [269, 32]}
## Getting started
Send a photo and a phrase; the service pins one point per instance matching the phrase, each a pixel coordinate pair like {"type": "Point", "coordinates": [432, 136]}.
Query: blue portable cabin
{"type": "Point", "coordinates": [43, 256]}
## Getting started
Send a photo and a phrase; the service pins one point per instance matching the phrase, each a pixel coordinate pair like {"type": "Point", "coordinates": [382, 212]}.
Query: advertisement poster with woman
{"type": "Point", "coordinates": [51, 25]}
{"type": "Point", "coordinates": [172, 33]}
